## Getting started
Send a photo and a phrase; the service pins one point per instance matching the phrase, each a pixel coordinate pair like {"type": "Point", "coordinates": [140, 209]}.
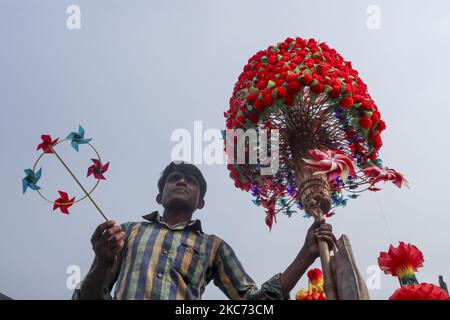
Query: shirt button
{"type": "Point", "coordinates": [165, 252]}
{"type": "Point", "coordinates": [160, 275]}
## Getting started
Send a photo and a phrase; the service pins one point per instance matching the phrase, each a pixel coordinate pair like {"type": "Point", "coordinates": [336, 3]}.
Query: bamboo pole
{"type": "Point", "coordinates": [315, 196]}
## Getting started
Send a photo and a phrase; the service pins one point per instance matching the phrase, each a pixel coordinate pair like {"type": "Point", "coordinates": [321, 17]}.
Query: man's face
{"type": "Point", "coordinates": [181, 191]}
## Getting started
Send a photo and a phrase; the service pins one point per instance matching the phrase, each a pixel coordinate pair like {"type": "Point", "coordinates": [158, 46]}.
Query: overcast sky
{"type": "Point", "coordinates": [138, 70]}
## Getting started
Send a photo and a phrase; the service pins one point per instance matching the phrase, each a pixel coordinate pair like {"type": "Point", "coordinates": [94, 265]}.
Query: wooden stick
{"type": "Point", "coordinates": [328, 282]}
{"type": "Point", "coordinates": [82, 188]}
{"type": "Point", "coordinates": [313, 196]}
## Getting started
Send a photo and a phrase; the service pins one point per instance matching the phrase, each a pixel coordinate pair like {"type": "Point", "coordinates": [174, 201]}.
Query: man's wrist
{"type": "Point", "coordinates": [307, 256]}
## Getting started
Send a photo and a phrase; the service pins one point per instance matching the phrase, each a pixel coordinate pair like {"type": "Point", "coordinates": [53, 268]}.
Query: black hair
{"type": "Point", "coordinates": [184, 168]}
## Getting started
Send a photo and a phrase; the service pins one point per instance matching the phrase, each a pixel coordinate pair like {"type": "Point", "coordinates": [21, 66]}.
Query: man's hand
{"type": "Point", "coordinates": [107, 242]}
{"type": "Point", "coordinates": [319, 230]}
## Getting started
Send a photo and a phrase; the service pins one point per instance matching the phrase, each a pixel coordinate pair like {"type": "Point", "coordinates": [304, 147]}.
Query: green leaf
{"type": "Point", "coordinates": [271, 84]}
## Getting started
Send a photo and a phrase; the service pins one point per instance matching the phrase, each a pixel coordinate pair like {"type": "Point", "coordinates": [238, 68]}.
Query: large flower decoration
{"type": "Point", "coordinates": [423, 291]}
{"type": "Point", "coordinates": [402, 261]}
{"type": "Point", "coordinates": [318, 104]}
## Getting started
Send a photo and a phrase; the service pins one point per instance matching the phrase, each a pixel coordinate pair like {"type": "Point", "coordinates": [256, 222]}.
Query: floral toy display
{"type": "Point", "coordinates": [48, 147]}
{"type": "Point", "coordinates": [402, 262]}
{"type": "Point", "coordinates": [315, 287]}
{"type": "Point", "coordinates": [328, 127]}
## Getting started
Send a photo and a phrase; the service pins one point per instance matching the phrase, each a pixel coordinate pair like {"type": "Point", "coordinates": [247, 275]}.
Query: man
{"type": "Point", "coordinates": [170, 257]}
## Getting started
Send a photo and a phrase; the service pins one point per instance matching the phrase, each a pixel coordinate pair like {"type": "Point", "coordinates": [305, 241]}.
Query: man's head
{"type": "Point", "coordinates": [181, 186]}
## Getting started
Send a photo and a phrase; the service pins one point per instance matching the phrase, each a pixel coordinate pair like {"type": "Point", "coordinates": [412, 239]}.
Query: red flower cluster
{"type": "Point", "coordinates": [423, 291]}
{"type": "Point", "coordinates": [294, 67]}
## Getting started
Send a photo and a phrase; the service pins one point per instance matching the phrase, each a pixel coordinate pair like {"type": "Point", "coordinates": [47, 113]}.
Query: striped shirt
{"type": "Point", "coordinates": [161, 262]}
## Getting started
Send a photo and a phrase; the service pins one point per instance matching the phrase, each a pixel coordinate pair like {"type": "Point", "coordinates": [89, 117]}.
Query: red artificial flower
{"type": "Point", "coordinates": [293, 87]}
{"type": "Point", "coordinates": [291, 77]}
{"type": "Point", "coordinates": [402, 260]}
{"type": "Point", "coordinates": [423, 291]}
{"type": "Point", "coordinates": [259, 105]}
{"type": "Point", "coordinates": [63, 202]}
{"type": "Point", "coordinates": [47, 143]}
{"type": "Point", "coordinates": [307, 80]}
{"type": "Point", "coordinates": [365, 122]}
{"type": "Point", "coordinates": [346, 102]}
{"type": "Point", "coordinates": [318, 88]}
{"type": "Point", "coordinates": [98, 169]}
{"type": "Point", "coordinates": [268, 100]}
{"type": "Point", "coordinates": [381, 125]}
{"type": "Point", "coordinates": [281, 92]}
{"type": "Point", "coordinates": [289, 100]}
{"type": "Point", "coordinates": [253, 117]}
{"type": "Point", "coordinates": [252, 97]}
{"type": "Point", "coordinates": [335, 91]}
{"type": "Point", "coordinates": [315, 276]}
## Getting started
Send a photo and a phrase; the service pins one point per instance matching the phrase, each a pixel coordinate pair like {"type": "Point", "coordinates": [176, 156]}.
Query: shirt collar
{"type": "Point", "coordinates": [155, 217]}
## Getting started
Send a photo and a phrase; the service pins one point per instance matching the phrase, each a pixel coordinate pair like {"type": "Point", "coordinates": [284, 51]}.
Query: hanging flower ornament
{"type": "Point", "coordinates": [48, 146]}
{"type": "Point", "coordinates": [328, 127]}
{"type": "Point", "coordinates": [403, 261]}
{"type": "Point", "coordinates": [326, 118]}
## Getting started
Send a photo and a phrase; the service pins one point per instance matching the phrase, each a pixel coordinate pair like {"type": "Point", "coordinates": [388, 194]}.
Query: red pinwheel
{"type": "Point", "coordinates": [401, 261]}
{"type": "Point", "coordinates": [376, 174]}
{"type": "Point", "coordinates": [47, 143]}
{"type": "Point", "coordinates": [423, 291]}
{"type": "Point", "coordinates": [63, 202]}
{"type": "Point", "coordinates": [98, 169]}
{"type": "Point", "coordinates": [333, 163]}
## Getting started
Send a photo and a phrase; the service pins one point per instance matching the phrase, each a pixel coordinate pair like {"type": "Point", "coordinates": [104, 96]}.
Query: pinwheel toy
{"type": "Point", "coordinates": [31, 179]}
{"type": "Point", "coordinates": [328, 127]}
{"type": "Point", "coordinates": [48, 147]}
{"type": "Point", "coordinates": [77, 138]}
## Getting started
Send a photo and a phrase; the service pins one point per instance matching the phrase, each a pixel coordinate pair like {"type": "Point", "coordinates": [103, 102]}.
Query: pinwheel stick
{"type": "Point", "coordinates": [315, 195]}
{"type": "Point", "coordinates": [81, 186]}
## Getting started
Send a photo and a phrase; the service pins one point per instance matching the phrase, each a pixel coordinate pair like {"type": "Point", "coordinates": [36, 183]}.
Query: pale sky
{"type": "Point", "coordinates": [138, 70]}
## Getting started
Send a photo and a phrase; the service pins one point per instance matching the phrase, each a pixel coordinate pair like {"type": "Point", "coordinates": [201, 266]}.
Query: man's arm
{"type": "Point", "coordinates": [319, 230]}
{"type": "Point", "coordinates": [107, 242]}
{"type": "Point", "coordinates": [231, 278]}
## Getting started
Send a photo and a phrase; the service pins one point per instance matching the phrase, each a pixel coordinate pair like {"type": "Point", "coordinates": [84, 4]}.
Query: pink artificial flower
{"type": "Point", "coordinates": [334, 163]}
{"type": "Point", "coordinates": [376, 174]}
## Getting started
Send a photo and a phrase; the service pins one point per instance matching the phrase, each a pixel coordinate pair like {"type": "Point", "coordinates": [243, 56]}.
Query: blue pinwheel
{"type": "Point", "coordinates": [78, 138]}
{"type": "Point", "coordinates": [31, 179]}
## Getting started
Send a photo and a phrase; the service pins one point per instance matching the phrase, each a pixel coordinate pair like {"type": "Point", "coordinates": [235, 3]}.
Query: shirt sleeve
{"type": "Point", "coordinates": [230, 277]}
{"type": "Point", "coordinates": [106, 291]}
